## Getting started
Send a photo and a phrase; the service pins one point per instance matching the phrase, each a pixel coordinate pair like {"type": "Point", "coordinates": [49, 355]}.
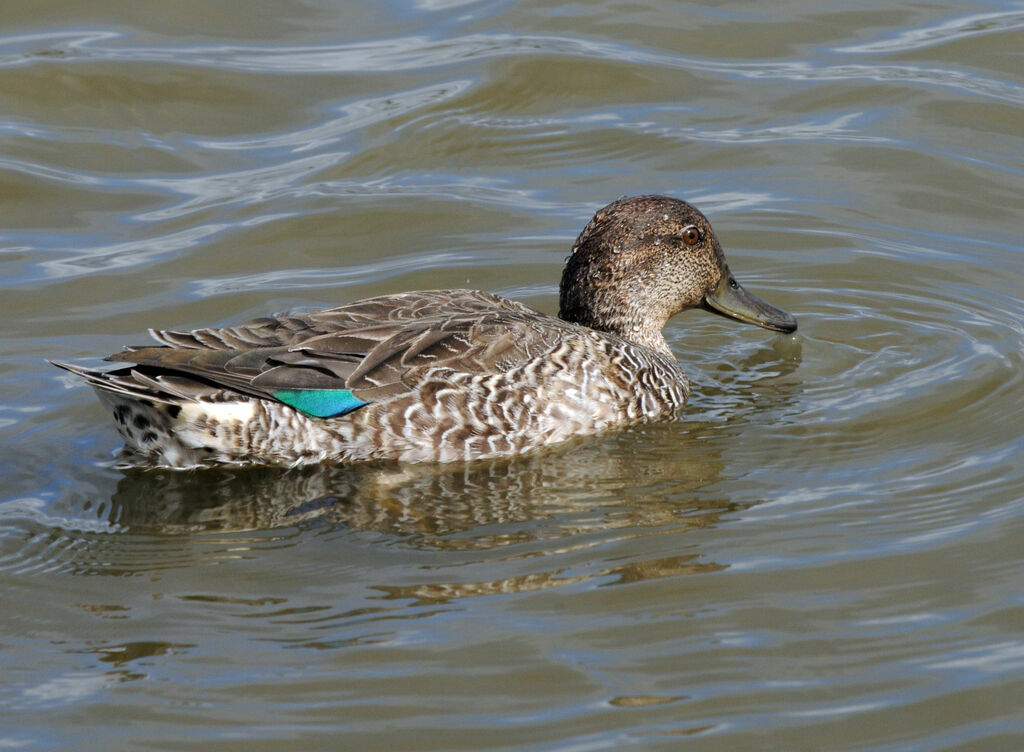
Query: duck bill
{"type": "Point", "coordinates": [732, 300]}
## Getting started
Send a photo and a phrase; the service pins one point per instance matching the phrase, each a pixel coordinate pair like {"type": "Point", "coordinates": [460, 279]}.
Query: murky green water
{"type": "Point", "coordinates": [824, 554]}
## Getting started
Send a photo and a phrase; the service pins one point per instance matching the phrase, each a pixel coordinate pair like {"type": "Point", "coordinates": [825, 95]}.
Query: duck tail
{"type": "Point", "coordinates": [127, 382]}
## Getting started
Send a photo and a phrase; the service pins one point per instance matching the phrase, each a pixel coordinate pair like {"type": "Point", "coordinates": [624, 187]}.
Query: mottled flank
{"type": "Point", "coordinates": [438, 375]}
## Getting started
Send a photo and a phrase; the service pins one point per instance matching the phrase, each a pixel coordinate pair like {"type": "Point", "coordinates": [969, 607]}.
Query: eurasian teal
{"type": "Point", "coordinates": [439, 375]}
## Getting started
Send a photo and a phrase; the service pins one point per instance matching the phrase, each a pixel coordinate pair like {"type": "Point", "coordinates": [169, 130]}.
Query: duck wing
{"type": "Point", "coordinates": [343, 358]}
{"type": "Point", "coordinates": [289, 329]}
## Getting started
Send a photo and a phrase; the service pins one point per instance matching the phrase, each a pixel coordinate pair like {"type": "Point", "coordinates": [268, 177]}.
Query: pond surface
{"type": "Point", "coordinates": [823, 553]}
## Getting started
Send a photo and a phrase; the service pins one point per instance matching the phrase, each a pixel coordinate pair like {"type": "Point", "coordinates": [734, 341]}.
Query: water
{"type": "Point", "coordinates": [823, 554]}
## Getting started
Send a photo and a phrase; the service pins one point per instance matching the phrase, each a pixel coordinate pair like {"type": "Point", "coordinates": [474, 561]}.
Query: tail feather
{"type": "Point", "coordinates": [124, 381]}
{"type": "Point", "coordinates": [181, 388]}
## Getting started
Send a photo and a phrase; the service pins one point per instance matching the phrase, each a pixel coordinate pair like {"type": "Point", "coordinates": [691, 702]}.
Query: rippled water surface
{"type": "Point", "coordinates": [824, 553]}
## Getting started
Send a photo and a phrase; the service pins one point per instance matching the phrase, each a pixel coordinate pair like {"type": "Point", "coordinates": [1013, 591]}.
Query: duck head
{"type": "Point", "coordinates": [642, 260]}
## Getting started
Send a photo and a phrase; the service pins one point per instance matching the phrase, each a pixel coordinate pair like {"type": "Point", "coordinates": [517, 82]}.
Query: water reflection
{"type": "Point", "coordinates": [440, 592]}
{"type": "Point", "coordinates": [536, 518]}
{"type": "Point", "coordinates": [585, 486]}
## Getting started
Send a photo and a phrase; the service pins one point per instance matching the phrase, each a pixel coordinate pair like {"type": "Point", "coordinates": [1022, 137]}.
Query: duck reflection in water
{"type": "Point", "coordinates": [535, 510]}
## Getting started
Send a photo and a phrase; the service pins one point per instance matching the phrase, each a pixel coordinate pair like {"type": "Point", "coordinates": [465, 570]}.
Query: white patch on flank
{"type": "Point", "coordinates": [225, 412]}
{"type": "Point", "coordinates": [195, 414]}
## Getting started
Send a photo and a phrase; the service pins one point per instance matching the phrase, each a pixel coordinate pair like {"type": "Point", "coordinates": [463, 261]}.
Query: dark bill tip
{"type": "Point", "coordinates": [732, 300]}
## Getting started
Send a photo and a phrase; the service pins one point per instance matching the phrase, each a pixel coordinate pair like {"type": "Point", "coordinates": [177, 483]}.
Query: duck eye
{"type": "Point", "coordinates": [691, 235]}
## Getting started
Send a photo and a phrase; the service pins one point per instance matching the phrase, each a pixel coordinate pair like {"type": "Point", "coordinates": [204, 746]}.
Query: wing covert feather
{"type": "Point", "coordinates": [376, 348]}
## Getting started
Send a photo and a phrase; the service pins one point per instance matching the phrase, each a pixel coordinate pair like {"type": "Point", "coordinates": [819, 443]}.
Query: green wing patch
{"type": "Point", "coordinates": [320, 403]}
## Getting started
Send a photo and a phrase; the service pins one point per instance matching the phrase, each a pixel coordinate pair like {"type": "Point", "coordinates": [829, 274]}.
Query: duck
{"type": "Point", "coordinates": [438, 375]}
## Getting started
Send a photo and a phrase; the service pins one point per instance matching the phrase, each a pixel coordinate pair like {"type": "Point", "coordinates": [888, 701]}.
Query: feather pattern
{"type": "Point", "coordinates": [436, 375]}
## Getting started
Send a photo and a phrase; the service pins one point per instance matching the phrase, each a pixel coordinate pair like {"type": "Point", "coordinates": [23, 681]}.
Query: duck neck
{"type": "Point", "coordinates": [604, 311]}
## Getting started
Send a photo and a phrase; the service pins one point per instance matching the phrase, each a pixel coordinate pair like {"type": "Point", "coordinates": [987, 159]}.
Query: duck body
{"type": "Point", "coordinates": [435, 376]}
{"type": "Point", "coordinates": [417, 377]}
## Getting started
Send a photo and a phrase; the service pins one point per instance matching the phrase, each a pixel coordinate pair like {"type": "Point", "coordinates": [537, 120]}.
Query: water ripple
{"type": "Point", "coordinates": [334, 277]}
{"type": "Point", "coordinates": [419, 52]}
{"type": "Point", "coordinates": [570, 140]}
{"type": "Point", "coordinates": [133, 253]}
{"type": "Point", "coordinates": [830, 128]}
{"type": "Point", "coordinates": [241, 187]}
{"type": "Point", "coordinates": [350, 117]}
{"type": "Point", "coordinates": [955, 29]}
{"type": "Point", "coordinates": [36, 170]}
